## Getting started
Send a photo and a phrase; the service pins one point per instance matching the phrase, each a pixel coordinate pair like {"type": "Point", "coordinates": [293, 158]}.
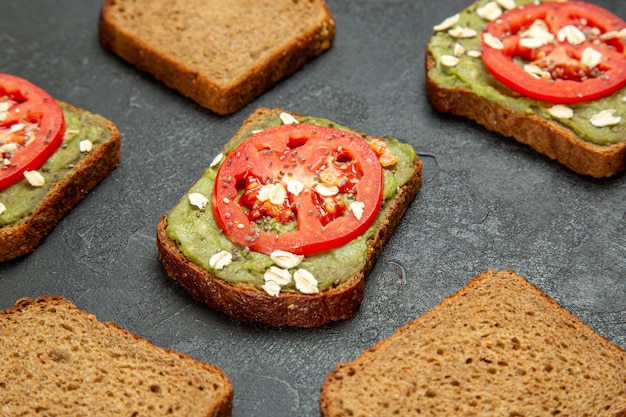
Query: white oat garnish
{"type": "Point", "coordinates": [449, 60]}
{"type": "Point", "coordinates": [605, 118]}
{"type": "Point", "coordinates": [357, 207]}
{"type": "Point", "coordinates": [533, 43]}
{"type": "Point", "coordinates": [490, 11]}
{"type": "Point", "coordinates": [295, 187]}
{"type": "Point", "coordinates": [447, 23]}
{"type": "Point", "coordinates": [614, 34]}
{"type": "Point", "coordinates": [34, 178]}
{"type": "Point", "coordinates": [286, 259]}
{"type": "Point", "coordinates": [288, 119]}
{"type": "Point", "coordinates": [462, 33]}
{"type": "Point", "coordinates": [278, 275]}
{"type": "Point", "coordinates": [4, 110]}
{"type": "Point", "coordinates": [326, 190]}
{"type": "Point", "coordinates": [305, 282]}
{"type": "Point", "coordinates": [8, 149]}
{"type": "Point", "coordinates": [16, 127]}
{"type": "Point", "coordinates": [220, 259]}
{"type": "Point", "coordinates": [459, 50]}
{"type": "Point", "coordinates": [561, 112]}
{"type": "Point", "coordinates": [537, 72]}
{"type": "Point", "coordinates": [85, 145]}
{"type": "Point", "coordinates": [492, 41]}
{"type": "Point", "coordinates": [537, 35]}
{"type": "Point", "coordinates": [218, 158]}
{"type": "Point", "coordinates": [198, 200]}
{"type": "Point", "coordinates": [571, 34]}
{"type": "Point", "coordinates": [271, 288]}
{"type": "Point", "coordinates": [275, 193]}
{"type": "Point", "coordinates": [507, 4]}
{"type": "Point", "coordinates": [474, 53]}
{"type": "Point", "coordinates": [3, 208]}
{"type": "Point", "coordinates": [590, 57]}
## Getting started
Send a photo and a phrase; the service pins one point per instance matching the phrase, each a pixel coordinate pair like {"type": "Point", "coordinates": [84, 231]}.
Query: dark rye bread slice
{"type": "Point", "coordinates": [543, 135]}
{"type": "Point", "coordinates": [248, 303]}
{"type": "Point", "coordinates": [22, 237]}
{"type": "Point", "coordinates": [498, 347]}
{"type": "Point", "coordinates": [221, 56]}
{"type": "Point", "coordinates": [57, 360]}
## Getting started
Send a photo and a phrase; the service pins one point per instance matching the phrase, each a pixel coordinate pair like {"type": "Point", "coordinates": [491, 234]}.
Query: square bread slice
{"type": "Point", "coordinates": [30, 213]}
{"type": "Point", "coordinates": [188, 237]}
{"type": "Point", "coordinates": [220, 55]}
{"type": "Point", "coordinates": [466, 88]}
{"type": "Point", "coordinates": [57, 360]}
{"type": "Point", "coordinates": [498, 347]}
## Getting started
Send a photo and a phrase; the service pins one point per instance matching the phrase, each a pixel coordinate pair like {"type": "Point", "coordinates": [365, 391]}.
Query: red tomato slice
{"type": "Point", "coordinates": [31, 128]}
{"type": "Point", "coordinates": [276, 174]}
{"type": "Point", "coordinates": [562, 74]}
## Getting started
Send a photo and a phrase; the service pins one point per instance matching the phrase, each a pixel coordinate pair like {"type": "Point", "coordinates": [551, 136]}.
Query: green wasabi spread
{"type": "Point", "coordinates": [471, 73]}
{"type": "Point", "coordinates": [22, 198]}
{"type": "Point", "coordinates": [199, 237]}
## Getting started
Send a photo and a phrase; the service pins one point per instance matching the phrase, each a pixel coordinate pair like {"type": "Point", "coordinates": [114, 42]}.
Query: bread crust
{"type": "Point", "coordinates": [543, 135]}
{"type": "Point", "coordinates": [22, 237]}
{"type": "Point", "coordinates": [221, 407]}
{"type": "Point", "coordinates": [221, 96]}
{"type": "Point", "coordinates": [248, 303]}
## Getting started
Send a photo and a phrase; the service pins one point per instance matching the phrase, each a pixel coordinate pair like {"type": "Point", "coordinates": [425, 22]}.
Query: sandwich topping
{"type": "Point", "coordinates": [559, 52]}
{"type": "Point", "coordinates": [562, 60]}
{"type": "Point", "coordinates": [299, 188]}
{"type": "Point", "coordinates": [348, 178]}
{"type": "Point", "coordinates": [32, 127]}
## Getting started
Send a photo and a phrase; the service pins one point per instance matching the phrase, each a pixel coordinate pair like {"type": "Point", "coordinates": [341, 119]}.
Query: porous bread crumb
{"type": "Point", "coordinates": [498, 347]}
{"type": "Point", "coordinates": [221, 57]}
{"type": "Point", "coordinates": [61, 361]}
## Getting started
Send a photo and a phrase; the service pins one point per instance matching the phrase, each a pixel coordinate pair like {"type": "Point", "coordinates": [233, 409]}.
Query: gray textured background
{"type": "Point", "coordinates": [486, 202]}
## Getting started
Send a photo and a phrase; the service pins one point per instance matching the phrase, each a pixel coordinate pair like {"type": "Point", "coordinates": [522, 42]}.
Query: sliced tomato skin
{"type": "Point", "coordinates": [258, 156]}
{"type": "Point", "coordinates": [556, 14]}
{"type": "Point", "coordinates": [34, 105]}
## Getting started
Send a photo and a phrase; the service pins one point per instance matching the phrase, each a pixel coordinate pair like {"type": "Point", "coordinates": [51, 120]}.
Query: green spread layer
{"type": "Point", "coordinates": [471, 73]}
{"type": "Point", "coordinates": [199, 237]}
{"type": "Point", "coordinates": [21, 198]}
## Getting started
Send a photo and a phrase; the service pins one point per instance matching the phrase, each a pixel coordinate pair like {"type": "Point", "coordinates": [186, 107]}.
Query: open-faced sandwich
{"type": "Point", "coordinates": [550, 74]}
{"type": "Point", "coordinates": [52, 155]}
{"type": "Point", "coordinates": [287, 221]}
{"type": "Point", "coordinates": [221, 55]}
{"type": "Point", "coordinates": [497, 347]}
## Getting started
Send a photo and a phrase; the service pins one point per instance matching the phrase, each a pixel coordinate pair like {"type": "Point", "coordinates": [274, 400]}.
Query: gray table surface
{"type": "Point", "coordinates": [486, 201]}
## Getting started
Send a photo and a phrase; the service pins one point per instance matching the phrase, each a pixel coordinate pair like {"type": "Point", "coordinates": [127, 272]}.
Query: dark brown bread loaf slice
{"type": "Point", "coordinates": [524, 124]}
{"type": "Point", "coordinates": [57, 360]}
{"type": "Point", "coordinates": [22, 237]}
{"type": "Point", "coordinates": [543, 135]}
{"type": "Point", "coordinates": [498, 347]}
{"type": "Point", "coordinates": [220, 55]}
{"type": "Point", "coordinates": [249, 303]}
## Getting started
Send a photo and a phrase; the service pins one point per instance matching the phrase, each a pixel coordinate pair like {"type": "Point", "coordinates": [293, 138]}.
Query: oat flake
{"type": "Point", "coordinates": [561, 112]}
{"type": "Point", "coordinates": [605, 118]}
{"type": "Point", "coordinates": [448, 23]}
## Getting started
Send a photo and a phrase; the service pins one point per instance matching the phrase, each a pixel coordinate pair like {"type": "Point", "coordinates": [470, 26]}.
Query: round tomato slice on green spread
{"type": "Point", "coordinates": [299, 188]}
{"type": "Point", "coordinates": [559, 52]}
{"type": "Point", "coordinates": [31, 128]}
